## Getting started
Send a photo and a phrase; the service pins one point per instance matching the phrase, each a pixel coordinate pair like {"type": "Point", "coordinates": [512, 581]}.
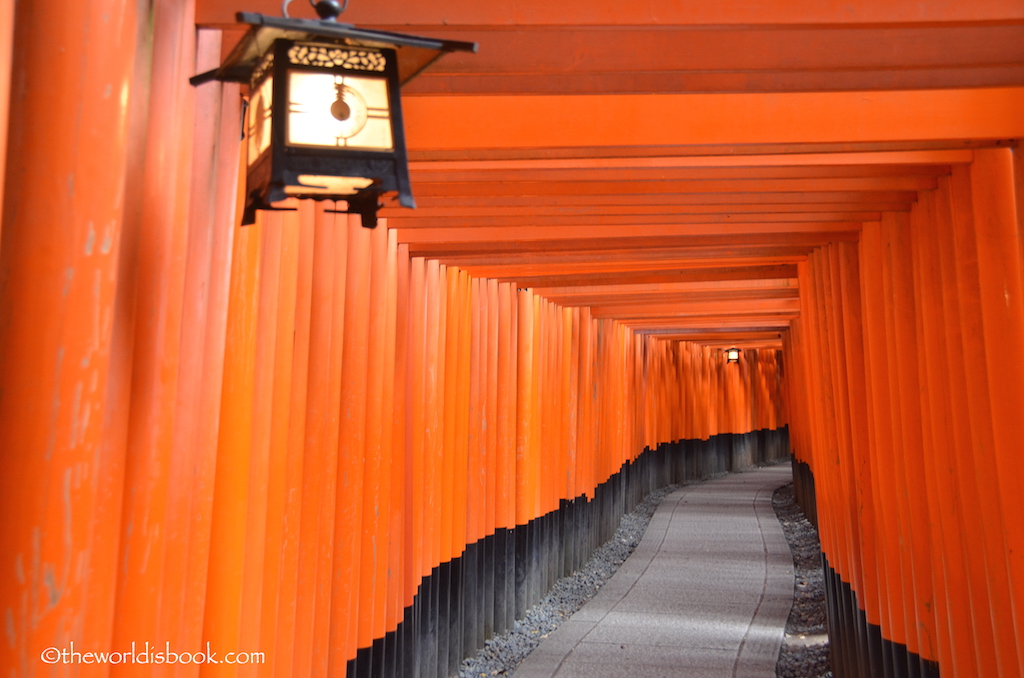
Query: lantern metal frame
{"type": "Point", "coordinates": [274, 176]}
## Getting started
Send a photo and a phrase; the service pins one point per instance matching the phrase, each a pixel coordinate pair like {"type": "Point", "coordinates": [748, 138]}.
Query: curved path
{"type": "Point", "coordinates": [706, 593]}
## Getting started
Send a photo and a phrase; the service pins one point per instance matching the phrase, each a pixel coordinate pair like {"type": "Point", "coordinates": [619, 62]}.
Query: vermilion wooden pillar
{"type": "Point", "coordinates": [60, 475]}
{"type": "Point", "coordinates": [222, 624]}
{"type": "Point", "coordinates": [1000, 247]}
{"type": "Point", "coordinates": [989, 538]}
{"type": "Point", "coordinates": [214, 191]}
{"type": "Point", "coordinates": [973, 582]}
{"type": "Point", "coordinates": [954, 625]}
{"type": "Point", "coordinates": [154, 523]}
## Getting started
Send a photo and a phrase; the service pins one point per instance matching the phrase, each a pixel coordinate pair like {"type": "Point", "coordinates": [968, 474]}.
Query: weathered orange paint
{"type": "Point", "coordinates": [64, 387]}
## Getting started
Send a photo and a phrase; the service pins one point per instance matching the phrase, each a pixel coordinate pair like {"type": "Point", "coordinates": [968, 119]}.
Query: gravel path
{"type": "Point", "coordinates": [805, 649]}
{"type": "Point", "coordinates": [804, 653]}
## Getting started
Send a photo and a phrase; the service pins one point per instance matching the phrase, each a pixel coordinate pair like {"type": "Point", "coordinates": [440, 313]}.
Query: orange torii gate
{"type": "Point", "coordinates": [317, 442]}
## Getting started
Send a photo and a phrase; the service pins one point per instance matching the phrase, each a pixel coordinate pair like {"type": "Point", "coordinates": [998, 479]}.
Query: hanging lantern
{"type": "Point", "coordinates": [324, 115]}
{"type": "Point", "coordinates": [732, 355]}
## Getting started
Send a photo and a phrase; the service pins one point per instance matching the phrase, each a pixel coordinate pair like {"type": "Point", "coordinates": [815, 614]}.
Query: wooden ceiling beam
{"type": "Point", "coordinates": [408, 15]}
{"type": "Point", "coordinates": [745, 344]}
{"type": "Point", "coordinates": [628, 185]}
{"type": "Point", "coordinates": [733, 338]}
{"type": "Point", "coordinates": [716, 333]}
{"type": "Point", "coordinates": [441, 247]}
{"type": "Point", "coordinates": [665, 276]}
{"type": "Point", "coordinates": [651, 223]}
{"type": "Point", "coordinates": [791, 160]}
{"type": "Point", "coordinates": [682, 287]}
{"type": "Point", "coordinates": [532, 121]}
{"type": "Point", "coordinates": [586, 51]}
{"type": "Point", "coordinates": [631, 255]}
{"type": "Point", "coordinates": [524, 233]}
{"type": "Point", "coordinates": [627, 300]}
{"type": "Point", "coordinates": [706, 307]}
{"type": "Point", "coordinates": [717, 152]}
{"type": "Point", "coordinates": [457, 215]}
{"type": "Point", "coordinates": [744, 81]}
{"type": "Point", "coordinates": [855, 198]}
{"type": "Point", "coordinates": [422, 176]}
{"type": "Point", "coordinates": [520, 272]}
{"type": "Point", "coordinates": [777, 322]}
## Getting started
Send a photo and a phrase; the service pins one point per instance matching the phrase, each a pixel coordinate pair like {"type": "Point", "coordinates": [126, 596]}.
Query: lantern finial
{"type": "Point", "coordinates": [328, 10]}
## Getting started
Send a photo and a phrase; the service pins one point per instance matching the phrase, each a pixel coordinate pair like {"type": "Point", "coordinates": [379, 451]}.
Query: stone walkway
{"type": "Point", "coordinates": [706, 594]}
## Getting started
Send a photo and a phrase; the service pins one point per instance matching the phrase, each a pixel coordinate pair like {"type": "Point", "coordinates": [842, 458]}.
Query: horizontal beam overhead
{"type": "Point", "coordinates": [670, 275]}
{"type": "Point", "coordinates": [642, 173]}
{"type": "Point", "coordinates": [670, 164]}
{"type": "Point", "coordinates": [522, 233]}
{"type": "Point", "coordinates": [443, 248]}
{"type": "Point", "coordinates": [813, 158]}
{"type": "Point", "coordinates": [453, 204]}
{"type": "Point", "coordinates": [627, 256]}
{"type": "Point", "coordinates": [531, 121]}
{"type": "Point", "coordinates": [412, 15]}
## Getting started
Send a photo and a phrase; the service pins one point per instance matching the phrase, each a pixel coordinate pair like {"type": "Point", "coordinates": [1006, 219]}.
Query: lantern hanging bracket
{"type": "Point", "coordinates": [365, 206]}
{"type": "Point", "coordinates": [256, 202]}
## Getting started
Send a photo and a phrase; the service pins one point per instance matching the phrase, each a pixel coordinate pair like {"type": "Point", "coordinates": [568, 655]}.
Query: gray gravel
{"type": "Point", "coordinates": [805, 649]}
{"type": "Point", "coordinates": [804, 653]}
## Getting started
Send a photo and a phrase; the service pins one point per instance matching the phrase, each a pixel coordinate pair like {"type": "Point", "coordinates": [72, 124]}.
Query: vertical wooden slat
{"type": "Point", "coordinates": [285, 622]}
{"type": "Point", "coordinates": [507, 404]}
{"type": "Point", "coordinates": [204, 319]}
{"type": "Point", "coordinates": [979, 412]}
{"type": "Point", "coordinates": [264, 377]}
{"type": "Point", "coordinates": [370, 369]}
{"type": "Point", "coordinates": [59, 276]}
{"type": "Point", "coordinates": [222, 623]}
{"type": "Point", "coordinates": [1000, 250]}
{"type": "Point", "coordinates": [946, 568]}
{"type": "Point", "coordinates": [975, 582]}
{"type": "Point", "coordinates": [463, 355]}
{"type": "Point", "coordinates": [401, 545]}
{"type": "Point", "coordinates": [416, 486]}
{"type": "Point", "coordinates": [524, 408]}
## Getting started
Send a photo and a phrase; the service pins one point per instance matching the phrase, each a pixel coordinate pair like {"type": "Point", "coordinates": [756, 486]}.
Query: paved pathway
{"type": "Point", "coordinates": [706, 594]}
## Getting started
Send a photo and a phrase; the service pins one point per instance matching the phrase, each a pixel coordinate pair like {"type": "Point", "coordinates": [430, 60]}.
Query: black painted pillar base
{"type": "Point", "coordinates": [859, 650]}
{"type": "Point", "coordinates": [494, 581]}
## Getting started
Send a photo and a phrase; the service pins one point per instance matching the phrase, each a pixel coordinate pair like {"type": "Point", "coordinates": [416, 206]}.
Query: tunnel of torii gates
{"type": "Point", "coordinates": [360, 452]}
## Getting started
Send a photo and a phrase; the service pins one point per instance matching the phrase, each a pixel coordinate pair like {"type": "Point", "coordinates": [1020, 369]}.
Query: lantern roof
{"type": "Point", "coordinates": [414, 53]}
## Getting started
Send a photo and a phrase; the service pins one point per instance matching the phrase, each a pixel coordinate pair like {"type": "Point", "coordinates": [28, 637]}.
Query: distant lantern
{"type": "Point", "coordinates": [324, 117]}
{"type": "Point", "coordinates": [733, 355]}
